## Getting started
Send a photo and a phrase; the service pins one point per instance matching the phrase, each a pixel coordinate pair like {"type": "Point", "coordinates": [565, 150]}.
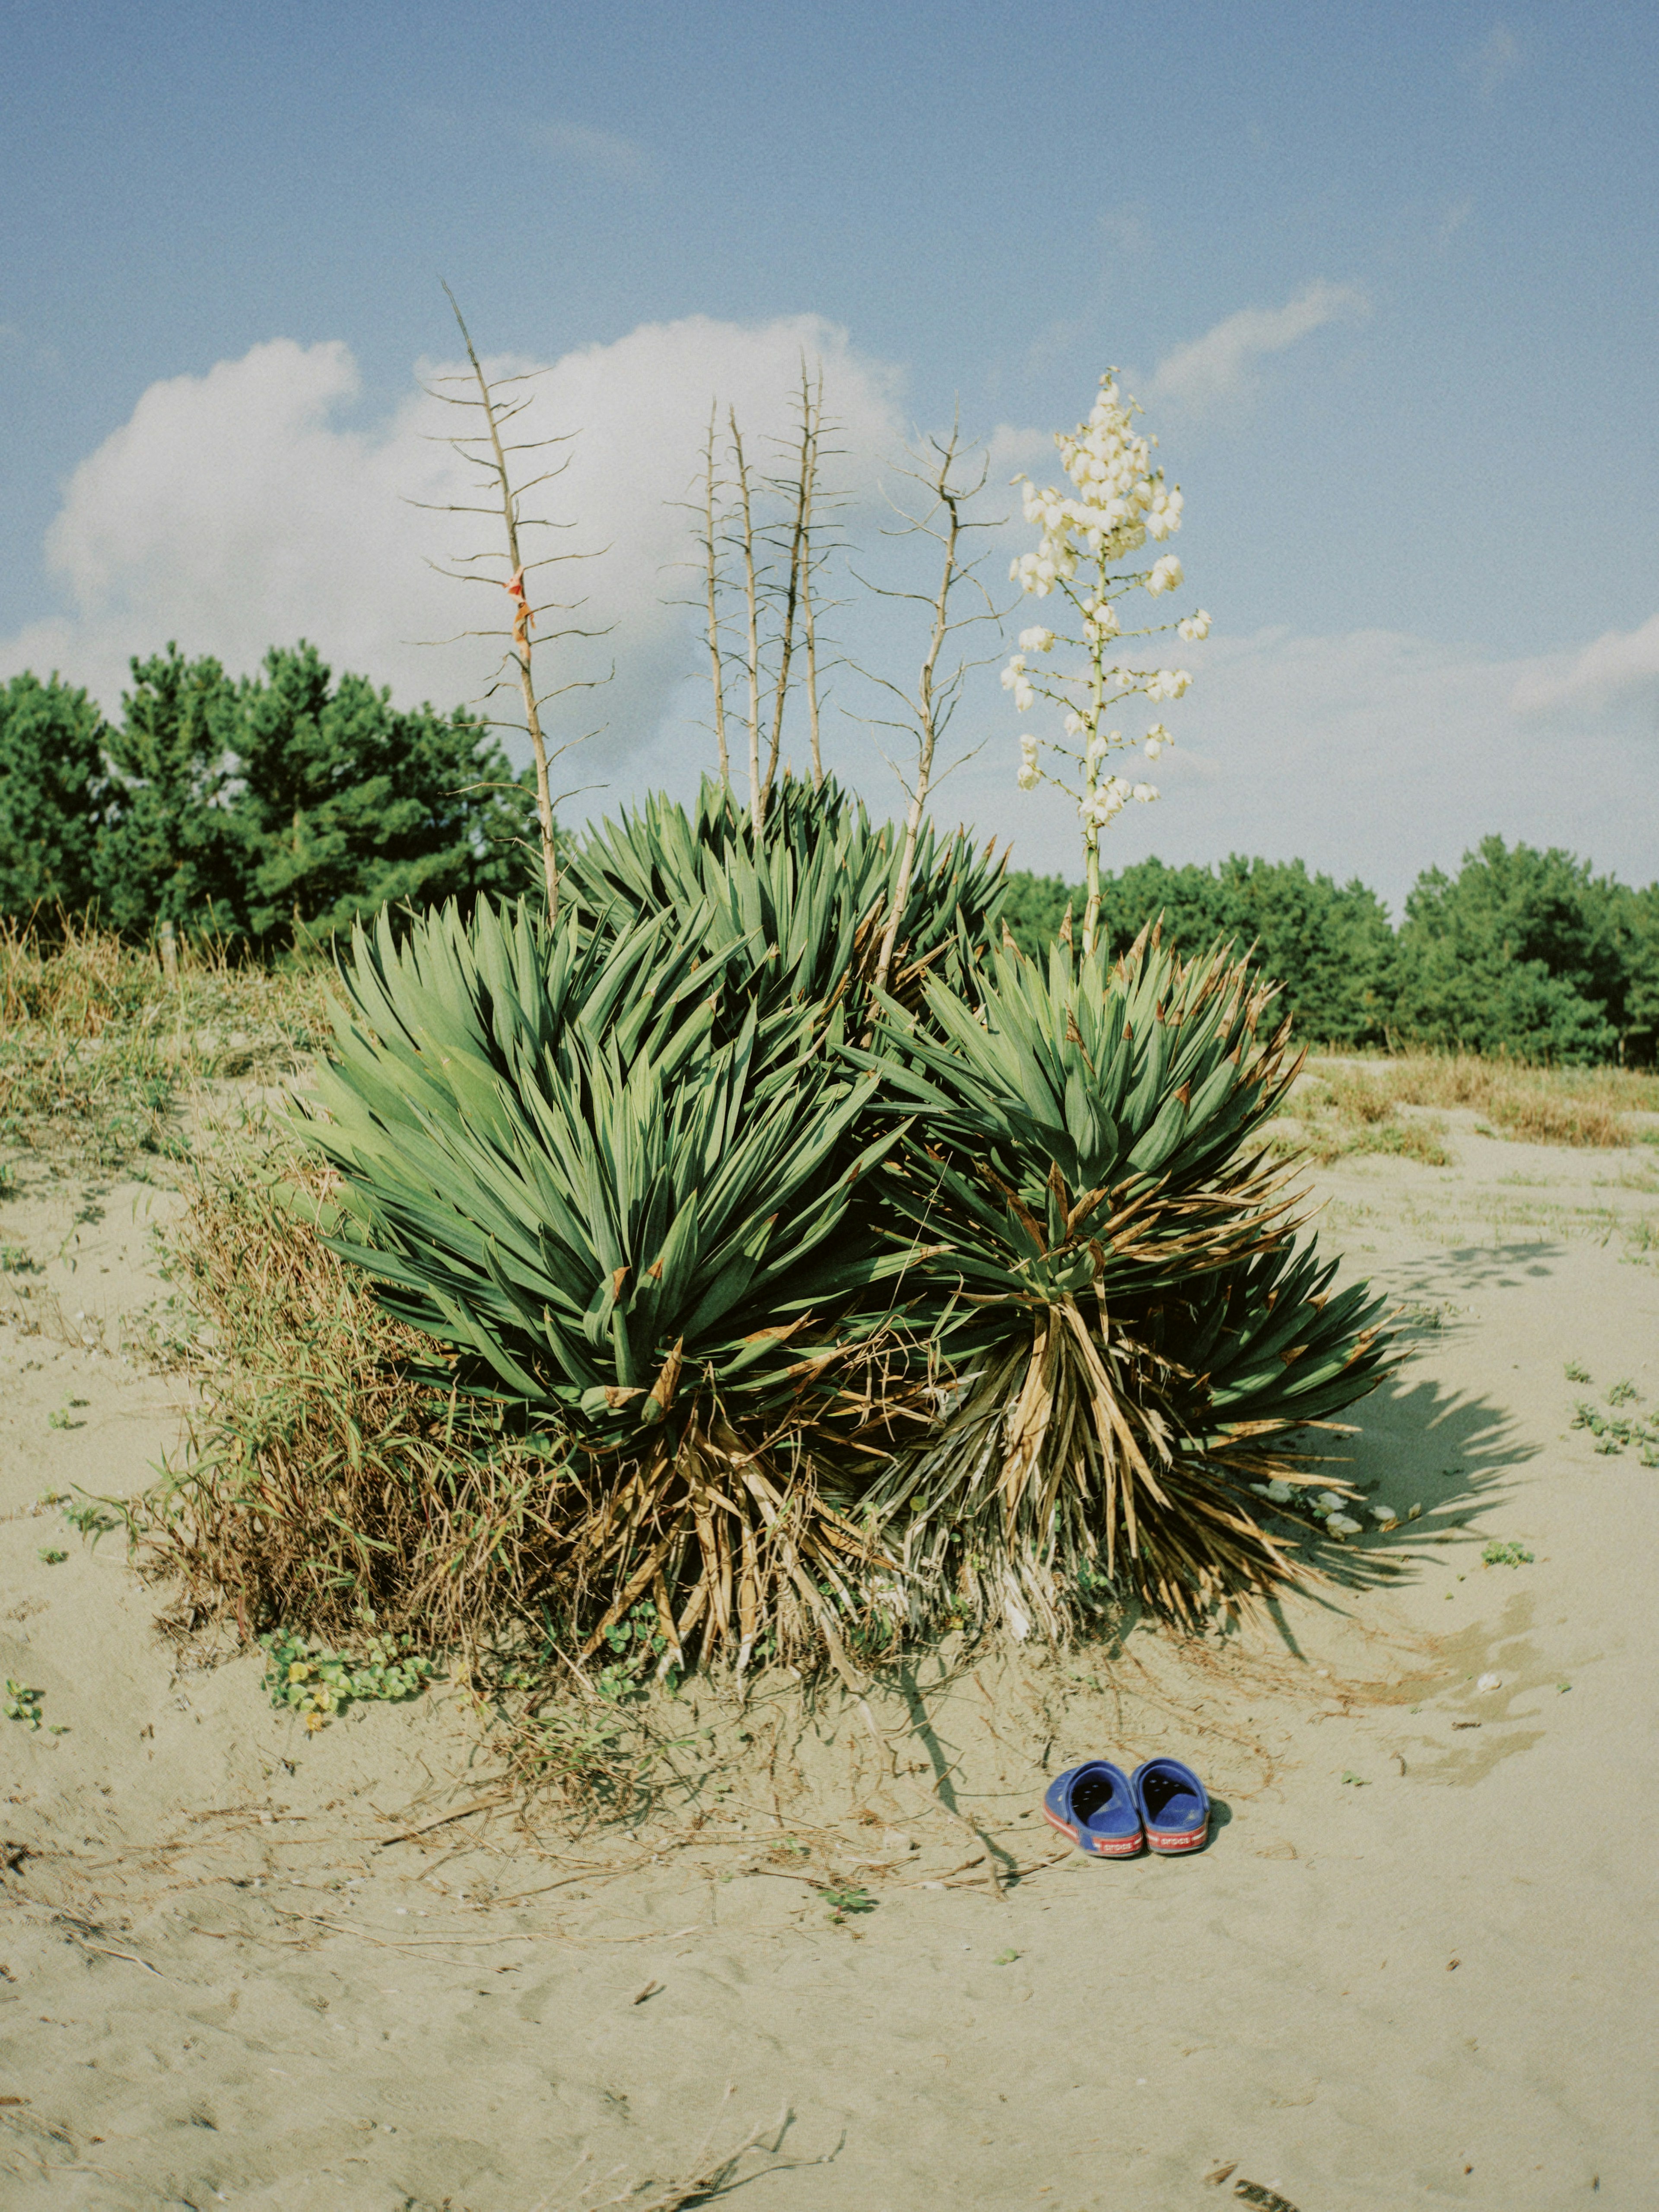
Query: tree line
{"type": "Point", "coordinates": [271, 810]}
{"type": "Point", "coordinates": [263, 810]}
{"type": "Point", "coordinates": [1524, 953]}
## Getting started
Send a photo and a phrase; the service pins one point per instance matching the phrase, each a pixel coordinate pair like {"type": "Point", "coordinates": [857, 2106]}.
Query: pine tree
{"type": "Point", "coordinates": [52, 795]}
{"type": "Point", "coordinates": [345, 804]}
{"type": "Point", "coordinates": [171, 851]}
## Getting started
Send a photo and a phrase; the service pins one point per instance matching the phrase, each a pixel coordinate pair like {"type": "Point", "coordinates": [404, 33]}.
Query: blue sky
{"type": "Point", "coordinates": [1385, 279]}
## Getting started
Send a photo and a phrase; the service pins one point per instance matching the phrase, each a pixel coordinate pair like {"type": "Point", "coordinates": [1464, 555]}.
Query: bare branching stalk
{"type": "Point", "coordinates": [716, 667]}
{"type": "Point", "coordinates": [751, 602]}
{"type": "Point", "coordinates": [798, 591]}
{"type": "Point", "coordinates": [947, 473]}
{"type": "Point", "coordinates": [811, 424]}
{"type": "Point", "coordinates": [490, 453]}
{"type": "Point", "coordinates": [761, 551]}
{"type": "Point", "coordinates": [524, 618]}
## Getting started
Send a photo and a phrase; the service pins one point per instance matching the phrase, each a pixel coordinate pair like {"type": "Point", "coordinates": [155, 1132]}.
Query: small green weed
{"type": "Point", "coordinates": [53, 1557]}
{"type": "Point", "coordinates": [1506, 1555]}
{"type": "Point", "coordinates": [638, 1642]}
{"type": "Point", "coordinates": [1006, 1957]}
{"type": "Point", "coordinates": [15, 1260]}
{"type": "Point", "coordinates": [1623, 1394]}
{"type": "Point", "coordinates": [304, 1677]}
{"type": "Point", "coordinates": [64, 1417]}
{"type": "Point", "coordinates": [844, 1899]}
{"type": "Point", "coordinates": [1576, 1373]}
{"type": "Point", "coordinates": [1613, 1431]}
{"type": "Point", "coordinates": [22, 1704]}
{"type": "Point", "coordinates": [1355, 1781]}
{"type": "Point", "coordinates": [87, 1517]}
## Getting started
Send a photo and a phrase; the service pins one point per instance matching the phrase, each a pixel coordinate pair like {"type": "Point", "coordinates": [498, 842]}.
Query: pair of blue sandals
{"type": "Point", "coordinates": [1111, 1814]}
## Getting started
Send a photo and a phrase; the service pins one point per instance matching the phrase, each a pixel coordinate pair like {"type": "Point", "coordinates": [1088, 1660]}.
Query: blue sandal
{"type": "Point", "coordinates": [1095, 1805]}
{"type": "Point", "coordinates": [1172, 1805]}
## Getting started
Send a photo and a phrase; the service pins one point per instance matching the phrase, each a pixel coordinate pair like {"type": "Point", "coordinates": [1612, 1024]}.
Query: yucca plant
{"type": "Point", "coordinates": [797, 914]}
{"type": "Point", "coordinates": [1136, 1335]}
{"type": "Point", "coordinates": [551, 1162]}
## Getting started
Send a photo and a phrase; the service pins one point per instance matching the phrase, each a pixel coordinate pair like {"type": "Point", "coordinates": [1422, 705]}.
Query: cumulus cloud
{"type": "Point", "coordinates": [244, 509]}
{"type": "Point", "coordinates": [1617, 676]}
{"type": "Point", "coordinates": [1218, 365]}
{"type": "Point", "coordinates": [1012, 450]}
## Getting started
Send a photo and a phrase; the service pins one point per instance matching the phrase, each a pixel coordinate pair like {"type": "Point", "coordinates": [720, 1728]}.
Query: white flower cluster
{"type": "Point", "coordinates": [1109, 797]}
{"type": "Point", "coordinates": [1115, 500]}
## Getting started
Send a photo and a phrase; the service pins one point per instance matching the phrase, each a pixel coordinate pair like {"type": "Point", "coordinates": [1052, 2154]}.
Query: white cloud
{"type": "Point", "coordinates": [236, 510]}
{"type": "Point", "coordinates": [1494, 61]}
{"type": "Point", "coordinates": [1618, 673]}
{"type": "Point", "coordinates": [1218, 366]}
{"type": "Point", "coordinates": [1013, 450]}
{"type": "Point", "coordinates": [621, 159]}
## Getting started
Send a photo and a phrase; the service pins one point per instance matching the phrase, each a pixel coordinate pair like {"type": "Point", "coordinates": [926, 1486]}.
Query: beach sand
{"type": "Point", "coordinates": [1415, 1967]}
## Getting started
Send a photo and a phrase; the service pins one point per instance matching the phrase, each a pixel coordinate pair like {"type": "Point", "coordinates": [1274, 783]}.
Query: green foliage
{"type": "Point", "coordinates": [1518, 955]}
{"type": "Point", "coordinates": [1506, 1555]}
{"type": "Point", "coordinates": [622, 1202]}
{"type": "Point", "coordinates": [636, 1643]}
{"type": "Point", "coordinates": [846, 1898]}
{"type": "Point", "coordinates": [1035, 907]}
{"type": "Point", "coordinates": [52, 794]}
{"type": "Point", "coordinates": [1615, 1432]}
{"type": "Point", "coordinates": [627, 1200]}
{"type": "Point", "coordinates": [1636, 928]}
{"type": "Point", "coordinates": [22, 1704]}
{"type": "Point", "coordinates": [1328, 946]}
{"type": "Point", "coordinates": [345, 805]}
{"type": "Point", "coordinates": [304, 1676]}
{"type": "Point", "coordinates": [1524, 954]}
{"type": "Point", "coordinates": [171, 851]}
{"type": "Point", "coordinates": [262, 812]}
{"type": "Point", "coordinates": [90, 1517]}
{"type": "Point", "coordinates": [796, 919]}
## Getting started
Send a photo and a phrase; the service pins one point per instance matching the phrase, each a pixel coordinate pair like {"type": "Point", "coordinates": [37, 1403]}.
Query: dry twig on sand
{"type": "Point", "coordinates": [711, 2174]}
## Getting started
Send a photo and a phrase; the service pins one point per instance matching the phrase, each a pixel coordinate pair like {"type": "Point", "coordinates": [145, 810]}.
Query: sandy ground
{"type": "Point", "coordinates": [1415, 1967]}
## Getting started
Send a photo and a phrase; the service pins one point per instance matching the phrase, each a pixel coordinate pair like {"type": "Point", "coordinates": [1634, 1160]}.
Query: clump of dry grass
{"type": "Point", "coordinates": [1340, 1112]}
{"type": "Point", "coordinates": [328, 1478]}
{"type": "Point", "coordinates": [1342, 1108]}
{"type": "Point", "coordinates": [331, 1483]}
{"type": "Point", "coordinates": [97, 1043]}
{"type": "Point", "coordinates": [1537, 1105]}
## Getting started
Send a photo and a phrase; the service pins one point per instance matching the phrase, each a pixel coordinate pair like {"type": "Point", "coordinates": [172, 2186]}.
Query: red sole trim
{"type": "Point", "coordinates": [1192, 1842]}
{"type": "Point", "coordinates": [1115, 1847]}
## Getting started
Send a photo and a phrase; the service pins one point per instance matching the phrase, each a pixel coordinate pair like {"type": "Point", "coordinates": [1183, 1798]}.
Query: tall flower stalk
{"type": "Point", "coordinates": [1089, 534]}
